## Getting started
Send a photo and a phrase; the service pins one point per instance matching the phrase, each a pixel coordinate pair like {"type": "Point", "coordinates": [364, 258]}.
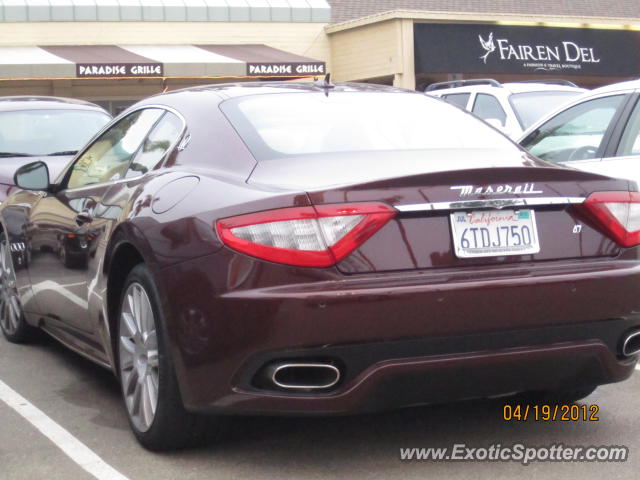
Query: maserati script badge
{"type": "Point", "coordinates": [526, 188]}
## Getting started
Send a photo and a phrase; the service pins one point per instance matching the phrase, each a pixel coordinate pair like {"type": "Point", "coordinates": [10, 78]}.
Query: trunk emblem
{"type": "Point", "coordinates": [468, 190]}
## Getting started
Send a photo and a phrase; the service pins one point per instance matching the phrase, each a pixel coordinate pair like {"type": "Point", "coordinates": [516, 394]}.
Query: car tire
{"type": "Point", "coordinates": [12, 322]}
{"type": "Point", "coordinates": [144, 363]}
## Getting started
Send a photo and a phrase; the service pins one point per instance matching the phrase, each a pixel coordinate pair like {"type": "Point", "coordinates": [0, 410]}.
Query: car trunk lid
{"type": "Point", "coordinates": [427, 194]}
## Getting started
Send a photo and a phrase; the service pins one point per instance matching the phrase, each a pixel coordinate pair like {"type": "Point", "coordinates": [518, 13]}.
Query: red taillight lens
{"type": "Point", "coordinates": [305, 236]}
{"type": "Point", "coordinates": [618, 213]}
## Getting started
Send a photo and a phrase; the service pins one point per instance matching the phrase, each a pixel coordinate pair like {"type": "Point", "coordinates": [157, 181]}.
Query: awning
{"type": "Point", "coordinates": [153, 61]}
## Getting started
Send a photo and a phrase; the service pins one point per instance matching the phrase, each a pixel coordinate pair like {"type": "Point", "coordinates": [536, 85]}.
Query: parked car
{"type": "Point", "coordinates": [510, 107]}
{"type": "Point", "coordinates": [51, 129]}
{"type": "Point", "coordinates": [597, 132]}
{"type": "Point", "coordinates": [292, 248]}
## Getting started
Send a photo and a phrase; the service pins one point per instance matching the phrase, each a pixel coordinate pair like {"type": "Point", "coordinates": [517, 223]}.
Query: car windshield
{"type": "Point", "coordinates": [531, 106]}
{"type": "Point", "coordinates": [291, 124]}
{"type": "Point", "coordinates": [46, 132]}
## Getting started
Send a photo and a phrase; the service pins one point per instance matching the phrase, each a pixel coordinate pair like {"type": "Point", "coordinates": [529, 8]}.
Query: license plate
{"type": "Point", "coordinates": [492, 233]}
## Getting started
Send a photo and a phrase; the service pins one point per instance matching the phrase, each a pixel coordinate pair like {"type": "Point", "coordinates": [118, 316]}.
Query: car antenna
{"type": "Point", "coordinates": [325, 84]}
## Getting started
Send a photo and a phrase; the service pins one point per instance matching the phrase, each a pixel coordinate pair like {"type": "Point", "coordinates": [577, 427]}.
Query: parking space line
{"type": "Point", "coordinates": [70, 445]}
{"type": "Point", "coordinates": [637, 366]}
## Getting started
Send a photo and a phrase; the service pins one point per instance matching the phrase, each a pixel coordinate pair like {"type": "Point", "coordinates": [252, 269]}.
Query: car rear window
{"type": "Point", "coordinates": [45, 132]}
{"type": "Point", "coordinates": [532, 106]}
{"type": "Point", "coordinates": [292, 124]}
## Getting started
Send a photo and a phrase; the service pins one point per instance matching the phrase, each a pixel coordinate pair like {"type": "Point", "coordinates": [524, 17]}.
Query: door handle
{"type": "Point", "coordinates": [83, 217]}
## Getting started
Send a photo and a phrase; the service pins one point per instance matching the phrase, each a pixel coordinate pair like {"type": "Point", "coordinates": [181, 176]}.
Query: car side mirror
{"type": "Point", "coordinates": [32, 176]}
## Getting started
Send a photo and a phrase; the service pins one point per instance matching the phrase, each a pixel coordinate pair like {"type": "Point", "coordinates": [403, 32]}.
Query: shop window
{"type": "Point", "coordinates": [488, 107]}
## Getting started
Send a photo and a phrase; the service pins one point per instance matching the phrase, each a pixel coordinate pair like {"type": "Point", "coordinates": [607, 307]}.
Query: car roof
{"type": "Point", "coordinates": [25, 102]}
{"type": "Point", "coordinates": [240, 89]}
{"type": "Point", "coordinates": [540, 87]}
{"type": "Point", "coordinates": [510, 88]}
{"type": "Point", "coordinates": [628, 85]}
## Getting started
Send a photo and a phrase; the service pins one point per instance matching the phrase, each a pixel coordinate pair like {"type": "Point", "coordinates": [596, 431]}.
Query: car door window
{"type": "Point", "coordinates": [487, 106]}
{"type": "Point", "coordinates": [459, 99]}
{"type": "Point", "coordinates": [630, 141]}
{"type": "Point", "coordinates": [575, 134]}
{"type": "Point", "coordinates": [109, 156]}
{"type": "Point", "coordinates": [160, 140]}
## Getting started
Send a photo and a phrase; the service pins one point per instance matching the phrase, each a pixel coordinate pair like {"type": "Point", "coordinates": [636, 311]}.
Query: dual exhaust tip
{"type": "Point", "coordinates": [301, 376]}
{"type": "Point", "coordinates": [631, 344]}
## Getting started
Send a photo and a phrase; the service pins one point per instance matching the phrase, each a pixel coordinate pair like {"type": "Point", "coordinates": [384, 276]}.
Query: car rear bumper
{"type": "Point", "coordinates": [400, 339]}
{"type": "Point", "coordinates": [402, 382]}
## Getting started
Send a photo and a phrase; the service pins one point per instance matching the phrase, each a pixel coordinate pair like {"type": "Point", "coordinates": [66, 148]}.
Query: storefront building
{"type": "Point", "coordinates": [116, 51]}
{"type": "Point", "coordinates": [589, 43]}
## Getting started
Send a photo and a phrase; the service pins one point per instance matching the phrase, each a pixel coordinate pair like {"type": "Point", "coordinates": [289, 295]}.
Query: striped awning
{"type": "Point", "coordinates": [153, 61]}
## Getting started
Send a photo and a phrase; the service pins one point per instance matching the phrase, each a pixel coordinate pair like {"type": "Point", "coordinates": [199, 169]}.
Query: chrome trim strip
{"type": "Point", "coordinates": [283, 366]}
{"type": "Point", "coordinates": [496, 203]}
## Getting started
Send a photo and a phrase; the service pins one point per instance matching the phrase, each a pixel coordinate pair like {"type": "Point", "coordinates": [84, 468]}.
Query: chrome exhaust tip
{"type": "Point", "coordinates": [303, 375]}
{"type": "Point", "coordinates": [631, 344]}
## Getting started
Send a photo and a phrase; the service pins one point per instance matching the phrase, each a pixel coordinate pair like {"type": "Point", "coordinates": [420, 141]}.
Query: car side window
{"type": "Point", "coordinates": [575, 134]}
{"type": "Point", "coordinates": [487, 106]}
{"type": "Point", "coordinates": [109, 156]}
{"type": "Point", "coordinates": [459, 99]}
{"type": "Point", "coordinates": [630, 141]}
{"type": "Point", "coordinates": [157, 144]}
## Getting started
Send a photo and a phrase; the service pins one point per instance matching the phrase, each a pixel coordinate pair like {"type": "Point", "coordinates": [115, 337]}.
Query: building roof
{"type": "Point", "coordinates": [345, 10]}
{"type": "Point", "coordinates": [164, 11]}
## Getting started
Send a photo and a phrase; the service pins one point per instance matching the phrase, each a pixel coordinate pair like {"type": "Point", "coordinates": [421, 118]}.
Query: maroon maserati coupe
{"type": "Point", "coordinates": [320, 249]}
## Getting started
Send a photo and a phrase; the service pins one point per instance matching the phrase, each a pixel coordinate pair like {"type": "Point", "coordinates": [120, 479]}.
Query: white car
{"type": "Point", "coordinates": [598, 132]}
{"type": "Point", "coordinates": [510, 107]}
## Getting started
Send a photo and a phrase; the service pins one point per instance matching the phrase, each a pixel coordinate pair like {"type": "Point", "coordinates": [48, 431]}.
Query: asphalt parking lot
{"type": "Point", "coordinates": [84, 400]}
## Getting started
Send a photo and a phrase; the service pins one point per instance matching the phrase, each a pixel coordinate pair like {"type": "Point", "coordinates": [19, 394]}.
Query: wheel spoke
{"type": "Point", "coordinates": [137, 398]}
{"type": "Point", "coordinates": [145, 319]}
{"type": "Point", "coordinates": [150, 340]}
{"type": "Point", "coordinates": [152, 390]}
{"type": "Point", "coordinates": [3, 256]}
{"type": "Point", "coordinates": [129, 305]}
{"type": "Point", "coordinates": [148, 402]}
{"type": "Point", "coordinates": [4, 319]}
{"type": "Point", "coordinates": [130, 382]}
{"type": "Point", "coordinates": [13, 313]}
{"type": "Point", "coordinates": [127, 351]}
{"type": "Point", "coordinates": [137, 300]}
{"type": "Point", "coordinates": [129, 324]}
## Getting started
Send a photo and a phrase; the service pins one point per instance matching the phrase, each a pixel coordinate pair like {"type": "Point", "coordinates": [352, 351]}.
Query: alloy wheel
{"type": "Point", "coordinates": [138, 354]}
{"type": "Point", "coordinates": [10, 309]}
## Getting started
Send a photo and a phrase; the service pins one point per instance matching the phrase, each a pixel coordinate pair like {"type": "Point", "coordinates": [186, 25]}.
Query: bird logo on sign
{"type": "Point", "coordinates": [488, 46]}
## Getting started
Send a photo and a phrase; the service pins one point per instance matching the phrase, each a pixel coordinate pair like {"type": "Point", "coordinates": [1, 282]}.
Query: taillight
{"type": "Point", "coordinates": [317, 236]}
{"type": "Point", "coordinates": [618, 213]}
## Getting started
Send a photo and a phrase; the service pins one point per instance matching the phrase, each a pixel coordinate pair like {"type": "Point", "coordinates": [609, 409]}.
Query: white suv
{"type": "Point", "coordinates": [510, 107]}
